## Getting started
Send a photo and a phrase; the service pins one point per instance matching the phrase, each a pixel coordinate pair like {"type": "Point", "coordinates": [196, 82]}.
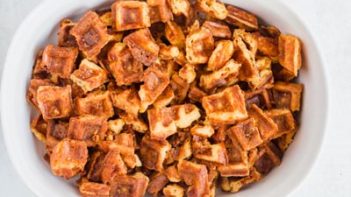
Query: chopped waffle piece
{"type": "Point", "coordinates": [91, 189]}
{"type": "Point", "coordinates": [159, 11]}
{"type": "Point", "coordinates": [59, 61]}
{"type": "Point", "coordinates": [265, 124]}
{"type": "Point", "coordinates": [137, 124]}
{"type": "Point", "coordinates": [165, 98]}
{"type": "Point", "coordinates": [216, 153]}
{"type": "Point", "coordinates": [123, 66]}
{"type": "Point", "coordinates": [112, 166]}
{"type": "Point", "coordinates": [153, 153]}
{"type": "Point", "coordinates": [225, 107]}
{"type": "Point", "coordinates": [91, 34]}
{"type": "Point", "coordinates": [234, 184]}
{"type": "Point", "coordinates": [269, 157]}
{"type": "Point", "coordinates": [287, 95]}
{"type": "Point", "coordinates": [54, 101]}
{"type": "Point", "coordinates": [185, 115]}
{"type": "Point", "coordinates": [123, 142]}
{"type": "Point", "coordinates": [226, 75]}
{"type": "Point", "coordinates": [65, 38]}
{"type": "Point", "coordinates": [87, 128]}
{"type": "Point", "coordinates": [265, 75]}
{"type": "Point", "coordinates": [220, 56]}
{"type": "Point", "coordinates": [143, 46]}
{"type": "Point", "coordinates": [241, 18]}
{"type": "Point", "coordinates": [284, 119]}
{"type": "Point", "coordinates": [268, 46]}
{"type": "Point", "coordinates": [180, 7]}
{"type": "Point", "coordinates": [290, 53]}
{"type": "Point", "coordinates": [38, 126]}
{"type": "Point", "coordinates": [56, 131]}
{"type": "Point", "coordinates": [260, 97]}
{"type": "Point", "coordinates": [173, 190]}
{"type": "Point", "coordinates": [130, 186]}
{"type": "Point", "coordinates": [155, 82]}
{"type": "Point", "coordinates": [174, 34]}
{"type": "Point", "coordinates": [234, 170]}
{"type": "Point", "coordinates": [196, 93]}
{"type": "Point", "coordinates": [34, 84]}
{"type": "Point", "coordinates": [68, 158]}
{"type": "Point", "coordinates": [168, 52]}
{"type": "Point", "coordinates": [217, 29]}
{"type": "Point", "coordinates": [220, 134]}
{"type": "Point", "coordinates": [107, 18]}
{"type": "Point", "coordinates": [95, 103]}
{"type": "Point", "coordinates": [213, 8]}
{"type": "Point", "coordinates": [180, 87]}
{"type": "Point", "coordinates": [89, 76]}
{"type": "Point", "coordinates": [161, 123]}
{"type": "Point", "coordinates": [285, 140]}
{"type": "Point", "coordinates": [205, 131]}
{"type": "Point", "coordinates": [116, 125]}
{"type": "Point", "coordinates": [199, 45]}
{"type": "Point", "coordinates": [127, 100]}
{"type": "Point", "coordinates": [184, 151]}
{"type": "Point", "coordinates": [172, 174]}
{"type": "Point", "coordinates": [235, 153]}
{"type": "Point", "coordinates": [129, 15]}
{"type": "Point", "coordinates": [157, 183]}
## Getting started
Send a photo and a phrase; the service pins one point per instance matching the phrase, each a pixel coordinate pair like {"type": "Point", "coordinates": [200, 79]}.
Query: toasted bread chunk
{"type": "Point", "coordinates": [129, 15]}
{"type": "Point", "coordinates": [95, 103]}
{"type": "Point", "coordinates": [290, 53]}
{"type": "Point", "coordinates": [260, 97]}
{"type": "Point", "coordinates": [39, 126]}
{"type": "Point", "coordinates": [124, 67]}
{"type": "Point", "coordinates": [225, 107]}
{"type": "Point", "coordinates": [116, 125]}
{"type": "Point", "coordinates": [196, 93]}
{"type": "Point", "coordinates": [157, 183]}
{"type": "Point", "coordinates": [65, 38]}
{"type": "Point", "coordinates": [269, 157]}
{"type": "Point", "coordinates": [199, 45]}
{"type": "Point", "coordinates": [234, 170]}
{"type": "Point", "coordinates": [174, 34]}
{"type": "Point", "coordinates": [34, 84]}
{"type": "Point", "coordinates": [234, 184]}
{"type": "Point", "coordinates": [173, 190]}
{"type": "Point", "coordinates": [284, 119]}
{"type": "Point", "coordinates": [161, 123]}
{"type": "Point", "coordinates": [59, 61]}
{"type": "Point", "coordinates": [54, 101]}
{"type": "Point", "coordinates": [168, 52]}
{"type": "Point", "coordinates": [185, 115]}
{"type": "Point", "coordinates": [130, 186]}
{"type": "Point", "coordinates": [123, 142]}
{"type": "Point", "coordinates": [241, 18]}
{"type": "Point", "coordinates": [265, 75]}
{"type": "Point", "coordinates": [172, 174]}
{"type": "Point", "coordinates": [153, 153]}
{"type": "Point", "coordinates": [246, 133]}
{"type": "Point", "coordinates": [136, 123]}
{"type": "Point", "coordinates": [265, 124]}
{"type": "Point", "coordinates": [268, 46]}
{"type": "Point", "coordinates": [91, 189]}
{"type": "Point", "coordinates": [89, 76]}
{"type": "Point", "coordinates": [165, 98]}
{"type": "Point", "coordinates": [213, 8]}
{"type": "Point", "coordinates": [127, 100]}
{"type": "Point", "coordinates": [226, 75]}
{"type": "Point", "coordinates": [287, 95]}
{"type": "Point", "coordinates": [68, 158]}
{"type": "Point", "coordinates": [205, 131]}
{"type": "Point", "coordinates": [91, 34]}
{"type": "Point", "coordinates": [143, 46]}
{"type": "Point", "coordinates": [217, 29]}
{"type": "Point", "coordinates": [220, 56]}
{"type": "Point", "coordinates": [180, 87]}
{"type": "Point", "coordinates": [180, 7]}
{"type": "Point", "coordinates": [159, 11]}
{"type": "Point", "coordinates": [112, 166]}
{"type": "Point", "coordinates": [216, 153]}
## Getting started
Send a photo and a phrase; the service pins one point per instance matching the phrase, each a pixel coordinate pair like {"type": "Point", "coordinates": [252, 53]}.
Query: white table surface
{"type": "Point", "coordinates": [330, 23]}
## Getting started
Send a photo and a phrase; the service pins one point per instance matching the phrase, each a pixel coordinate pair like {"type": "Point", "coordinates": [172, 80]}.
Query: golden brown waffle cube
{"type": "Point", "coordinates": [59, 61]}
{"type": "Point", "coordinates": [143, 46]}
{"type": "Point", "coordinates": [223, 52]}
{"type": "Point", "coordinates": [234, 170]}
{"type": "Point", "coordinates": [130, 186]}
{"type": "Point", "coordinates": [113, 166]}
{"type": "Point", "coordinates": [38, 126]}
{"type": "Point", "coordinates": [180, 87]}
{"type": "Point", "coordinates": [184, 151]}
{"type": "Point", "coordinates": [168, 52]}
{"type": "Point", "coordinates": [165, 98]}
{"type": "Point", "coordinates": [54, 101]}
{"type": "Point", "coordinates": [269, 157]}
{"type": "Point", "coordinates": [241, 18]}
{"type": "Point", "coordinates": [246, 133]}
{"type": "Point", "coordinates": [116, 125]}
{"type": "Point", "coordinates": [284, 119]}
{"type": "Point", "coordinates": [127, 100]}
{"type": "Point", "coordinates": [268, 46]}
{"type": "Point", "coordinates": [199, 45]}
{"type": "Point", "coordinates": [68, 158]}
{"type": "Point", "coordinates": [285, 140]}
{"type": "Point", "coordinates": [213, 8]}
{"type": "Point", "coordinates": [91, 34]}
{"type": "Point", "coordinates": [161, 123]}
{"type": "Point", "coordinates": [124, 67]}
{"type": "Point", "coordinates": [107, 18]}
{"type": "Point", "coordinates": [95, 103]}
{"type": "Point", "coordinates": [265, 124]}
{"type": "Point", "coordinates": [173, 190]}
{"type": "Point", "coordinates": [91, 189]}
{"type": "Point", "coordinates": [129, 15]}
{"type": "Point", "coordinates": [157, 182]}
{"type": "Point", "coordinates": [34, 84]}
{"type": "Point", "coordinates": [265, 75]}
{"type": "Point", "coordinates": [65, 38]}
{"type": "Point", "coordinates": [184, 115]}
{"type": "Point", "coordinates": [172, 174]}
{"type": "Point", "coordinates": [225, 107]}
{"type": "Point", "coordinates": [56, 131]}
{"type": "Point", "coordinates": [216, 153]}
{"type": "Point", "coordinates": [136, 123]}
{"type": "Point", "coordinates": [155, 82]}
{"type": "Point", "coordinates": [195, 93]}
{"type": "Point", "coordinates": [159, 11]}
{"type": "Point", "coordinates": [260, 97]}
{"type": "Point", "coordinates": [205, 131]}
{"type": "Point", "coordinates": [217, 29]}
{"type": "Point", "coordinates": [153, 153]}
{"type": "Point", "coordinates": [188, 73]}
{"type": "Point", "coordinates": [174, 34]}
{"type": "Point", "coordinates": [287, 95]}
{"type": "Point", "coordinates": [180, 7]}
{"type": "Point", "coordinates": [88, 128]}
{"type": "Point", "coordinates": [290, 53]}
{"type": "Point", "coordinates": [89, 76]}
{"type": "Point", "coordinates": [232, 184]}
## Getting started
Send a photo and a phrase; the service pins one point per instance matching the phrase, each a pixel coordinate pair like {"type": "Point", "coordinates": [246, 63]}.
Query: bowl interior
{"type": "Point", "coordinates": [40, 28]}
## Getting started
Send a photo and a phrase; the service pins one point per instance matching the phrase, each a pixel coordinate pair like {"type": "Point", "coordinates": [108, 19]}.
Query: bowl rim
{"type": "Point", "coordinates": [44, 4]}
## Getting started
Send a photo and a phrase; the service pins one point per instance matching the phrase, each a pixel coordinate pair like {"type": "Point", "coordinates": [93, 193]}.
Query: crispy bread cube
{"type": "Point", "coordinates": [199, 45]}
{"type": "Point", "coordinates": [287, 95]}
{"type": "Point", "coordinates": [265, 75]}
{"type": "Point", "coordinates": [38, 126]}
{"type": "Point", "coordinates": [116, 125]}
{"type": "Point", "coordinates": [59, 61]}
{"type": "Point", "coordinates": [155, 82]}
{"type": "Point", "coordinates": [220, 56]}
{"type": "Point", "coordinates": [87, 128]}
{"type": "Point", "coordinates": [188, 73]}
{"type": "Point", "coordinates": [290, 53]}
{"type": "Point", "coordinates": [91, 189]}
{"type": "Point", "coordinates": [89, 76]}
{"type": "Point", "coordinates": [159, 11]}
{"type": "Point", "coordinates": [241, 18]}
{"type": "Point", "coordinates": [260, 97]}
{"type": "Point", "coordinates": [217, 29]}
{"type": "Point", "coordinates": [225, 107]}
{"type": "Point", "coordinates": [172, 174]}
{"type": "Point", "coordinates": [165, 98]}
{"type": "Point", "coordinates": [136, 123]}
{"type": "Point", "coordinates": [91, 34]}
{"type": "Point", "coordinates": [180, 87]}
{"type": "Point", "coordinates": [180, 7]}
{"type": "Point", "coordinates": [157, 183]}
{"type": "Point", "coordinates": [54, 101]}
{"type": "Point", "coordinates": [268, 46]}
{"type": "Point", "coordinates": [269, 157]}
{"type": "Point", "coordinates": [216, 153]}
{"type": "Point", "coordinates": [205, 131]}
{"type": "Point", "coordinates": [235, 169]}
{"type": "Point", "coordinates": [235, 153]}
{"type": "Point", "coordinates": [161, 123]}
{"type": "Point", "coordinates": [213, 8]}
{"type": "Point", "coordinates": [173, 190]}
{"type": "Point", "coordinates": [112, 166]}
{"type": "Point", "coordinates": [196, 93]}
{"type": "Point", "coordinates": [174, 34]}
{"type": "Point", "coordinates": [143, 46]}
{"type": "Point", "coordinates": [124, 67]}
{"type": "Point", "coordinates": [65, 38]}
{"type": "Point", "coordinates": [123, 142]}
{"type": "Point", "coordinates": [246, 133]}
{"type": "Point", "coordinates": [168, 52]}
{"type": "Point", "coordinates": [153, 153]}
{"type": "Point", "coordinates": [130, 186]}
{"type": "Point", "coordinates": [127, 100]}
{"type": "Point", "coordinates": [284, 119]}
{"type": "Point", "coordinates": [68, 158]}
{"type": "Point", "coordinates": [224, 76]}
{"type": "Point", "coordinates": [184, 115]}
{"type": "Point", "coordinates": [129, 15]}
{"type": "Point", "coordinates": [95, 103]}
{"type": "Point", "coordinates": [34, 84]}
{"type": "Point", "coordinates": [232, 184]}
{"type": "Point", "coordinates": [265, 124]}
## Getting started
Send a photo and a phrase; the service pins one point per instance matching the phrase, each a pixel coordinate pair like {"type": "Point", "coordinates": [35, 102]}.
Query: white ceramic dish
{"type": "Point", "coordinates": [26, 153]}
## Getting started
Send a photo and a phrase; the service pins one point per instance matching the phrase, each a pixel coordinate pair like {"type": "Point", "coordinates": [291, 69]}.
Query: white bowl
{"type": "Point", "coordinates": [40, 27]}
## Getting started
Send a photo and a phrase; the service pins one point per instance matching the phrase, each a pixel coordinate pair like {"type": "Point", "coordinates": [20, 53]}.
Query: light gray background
{"type": "Point", "coordinates": [329, 21]}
